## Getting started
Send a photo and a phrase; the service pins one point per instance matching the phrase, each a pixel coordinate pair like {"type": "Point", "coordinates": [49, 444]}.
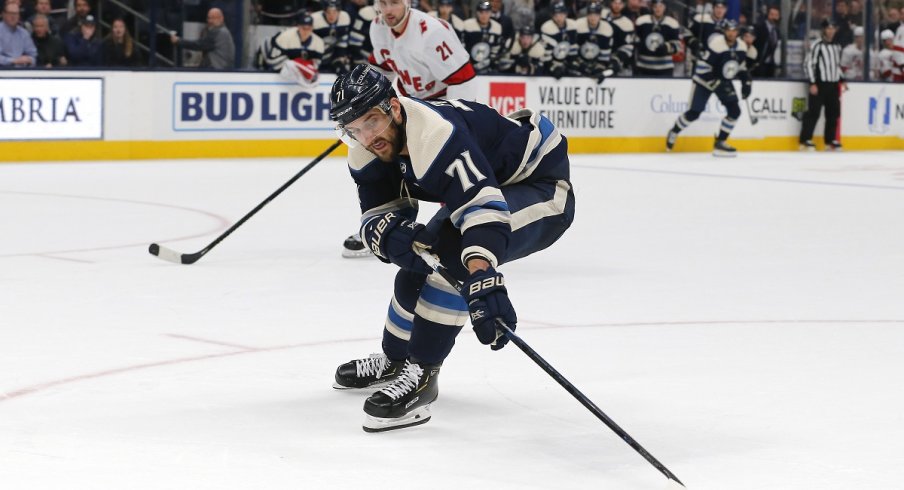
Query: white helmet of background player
{"type": "Point", "coordinates": [394, 12]}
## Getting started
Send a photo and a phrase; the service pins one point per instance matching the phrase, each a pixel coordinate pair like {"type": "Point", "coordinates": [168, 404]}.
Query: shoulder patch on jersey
{"type": "Point", "coordinates": [671, 22]}
{"type": "Point", "coordinates": [581, 25]}
{"type": "Point", "coordinates": [427, 133]}
{"type": "Point", "coordinates": [643, 19]}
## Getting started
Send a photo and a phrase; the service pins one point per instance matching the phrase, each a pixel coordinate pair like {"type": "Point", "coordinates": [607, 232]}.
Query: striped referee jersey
{"type": "Point", "coordinates": [823, 62]}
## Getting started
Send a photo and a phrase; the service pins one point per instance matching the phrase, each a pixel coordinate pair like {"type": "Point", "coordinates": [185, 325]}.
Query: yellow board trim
{"type": "Point", "coordinates": [31, 151]}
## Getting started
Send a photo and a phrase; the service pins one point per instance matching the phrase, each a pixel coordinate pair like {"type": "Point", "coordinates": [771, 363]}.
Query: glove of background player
{"type": "Point", "coordinates": [746, 88]}
{"type": "Point", "coordinates": [488, 300]}
{"type": "Point", "coordinates": [391, 238]}
{"type": "Point", "coordinates": [558, 71]}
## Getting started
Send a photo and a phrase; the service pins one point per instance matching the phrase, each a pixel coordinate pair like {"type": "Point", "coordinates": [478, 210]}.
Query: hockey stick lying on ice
{"type": "Point", "coordinates": [179, 258]}
{"type": "Point", "coordinates": [434, 263]}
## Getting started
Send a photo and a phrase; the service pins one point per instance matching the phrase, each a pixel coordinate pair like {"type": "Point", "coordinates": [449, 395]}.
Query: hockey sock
{"type": "Point", "coordinates": [440, 314]}
{"type": "Point", "coordinates": [726, 127]}
{"type": "Point", "coordinates": [681, 123]}
{"type": "Point", "coordinates": [399, 317]}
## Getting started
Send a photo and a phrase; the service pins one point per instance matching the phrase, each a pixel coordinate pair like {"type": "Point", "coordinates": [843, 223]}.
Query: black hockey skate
{"type": "Point", "coordinates": [723, 149]}
{"type": "Point", "coordinates": [835, 145]}
{"type": "Point", "coordinates": [353, 248]}
{"type": "Point", "coordinates": [405, 402]}
{"type": "Point", "coordinates": [670, 140]}
{"type": "Point", "coordinates": [807, 146]}
{"type": "Point", "coordinates": [374, 372]}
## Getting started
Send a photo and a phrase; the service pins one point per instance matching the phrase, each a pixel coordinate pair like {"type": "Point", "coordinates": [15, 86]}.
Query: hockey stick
{"type": "Point", "coordinates": [434, 263]}
{"type": "Point", "coordinates": [753, 119]}
{"type": "Point", "coordinates": [180, 258]}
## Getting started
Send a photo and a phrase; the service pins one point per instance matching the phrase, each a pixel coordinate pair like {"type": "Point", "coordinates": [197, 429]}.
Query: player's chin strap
{"type": "Point", "coordinates": [434, 263]}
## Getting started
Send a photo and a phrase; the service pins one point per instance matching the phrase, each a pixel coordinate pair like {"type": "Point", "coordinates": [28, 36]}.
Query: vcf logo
{"type": "Point", "coordinates": [880, 113]}
{"type": "Point", "coordinates": [508, 97]}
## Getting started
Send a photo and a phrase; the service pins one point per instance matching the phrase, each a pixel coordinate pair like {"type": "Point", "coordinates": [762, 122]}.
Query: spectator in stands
{"type": "Point", "coordinates": [215, 44]}
{"type": "Point", "coordinates": [892, 20]}
{"type": "Point", "coordinates": [118, 47]}
{"type": "Point", "coordinates": [51, 51]}
{"type": "Point", "coordinates": [798, 29]}
{"type": "Point", "coordinates": [83, 46]}
{"type": "Point", "coordinates": [72, 24]}
{"type": "Point", "coordinates": [768, 36]}
{"type": "Point", "coordinates": [42, 7]}
{"type": "Point", "coordinates": [16, 47]}
{"type": "Point", "coordinates": [855, 15]}
{"type": "Point", "coordinates": [522, 12]}
{"type": "Point", "coordinates": [845, 33]}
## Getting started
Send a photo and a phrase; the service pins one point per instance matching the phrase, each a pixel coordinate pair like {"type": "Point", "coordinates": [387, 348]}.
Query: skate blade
{"type": "Point", "coordinates": [357, 254]}
{"type": "Point", "coordinates": [725, 154]}
{"type": "Point", "coordinates": [418, 416]}
{"type": "Point", "coordinates": [373, 387]}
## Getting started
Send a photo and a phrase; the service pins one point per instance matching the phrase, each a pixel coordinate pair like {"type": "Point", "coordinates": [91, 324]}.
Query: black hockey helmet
{"type": "Point", "coordinates": [484, 6]}
{"type": "Point", "coordinates": [358, 91]}
{"type": "Point", "coordinates": [595, 8]}
{"type": "Point", "coordinates": [559, 8]}
{"type": "Point", "coordinates": [827, 22]}
{"type": "Point", "coordinates": [727, 25]}
{"type": "Point", "coordinates": [526, 30]}
{"type": "Point", "coordinates": [304, 19]}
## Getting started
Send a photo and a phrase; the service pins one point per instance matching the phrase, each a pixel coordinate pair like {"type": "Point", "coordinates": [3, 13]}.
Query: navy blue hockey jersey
{"type": "Point", "coordinates": [460, 153]}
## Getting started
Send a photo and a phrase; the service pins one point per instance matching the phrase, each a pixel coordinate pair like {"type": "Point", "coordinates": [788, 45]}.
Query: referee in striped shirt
{"type": "Point", "coordinates": [823, 68]}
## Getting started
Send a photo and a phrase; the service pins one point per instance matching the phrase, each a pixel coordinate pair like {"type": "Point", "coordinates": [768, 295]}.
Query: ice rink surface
{"type": "Point", "coordinates": [742, 319]}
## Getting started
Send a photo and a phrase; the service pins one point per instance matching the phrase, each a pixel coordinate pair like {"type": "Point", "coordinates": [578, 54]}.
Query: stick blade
{"type": "Point", "coordinates": [165, 253]}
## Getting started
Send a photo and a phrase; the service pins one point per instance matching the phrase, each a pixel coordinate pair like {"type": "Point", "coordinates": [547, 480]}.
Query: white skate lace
{"type": "Point", "coordinates": [375, 364]}
{"type": "Point", "coordinates": [406, 381]}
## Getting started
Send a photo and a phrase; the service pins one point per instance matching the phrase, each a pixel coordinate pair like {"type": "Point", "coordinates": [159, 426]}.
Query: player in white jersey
{"type": "Point", "coordinates": [424, 52]}
{"type": "Point", "coordinates": [427, 58]}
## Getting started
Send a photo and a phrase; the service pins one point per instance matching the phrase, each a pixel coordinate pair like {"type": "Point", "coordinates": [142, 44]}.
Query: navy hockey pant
{"type": "Point", "coordinates": [700, 95]}
{"type": "Point", "coordinates": [426, 314]}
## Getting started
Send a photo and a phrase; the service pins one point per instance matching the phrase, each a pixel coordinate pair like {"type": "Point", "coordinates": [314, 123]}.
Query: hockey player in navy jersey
{"type": "Point", "coordinates": [725, 58]}
{"type": "Point", "coordinates": [504, 182]}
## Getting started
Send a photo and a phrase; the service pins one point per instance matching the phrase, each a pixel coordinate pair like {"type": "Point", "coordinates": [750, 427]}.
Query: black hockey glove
{"type": "Point", "coordinates": [488, 300]}
{"type": "Point", "coordinates": [558, 71]}
{"type": "Point", "coordinates": [746, 88]}
{"type": "Point", "coordinates": [391, 238]}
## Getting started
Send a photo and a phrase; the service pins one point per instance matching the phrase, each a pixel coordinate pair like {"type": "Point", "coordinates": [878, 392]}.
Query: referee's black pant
{"type": "Point", "coordinates": [828, 95]}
